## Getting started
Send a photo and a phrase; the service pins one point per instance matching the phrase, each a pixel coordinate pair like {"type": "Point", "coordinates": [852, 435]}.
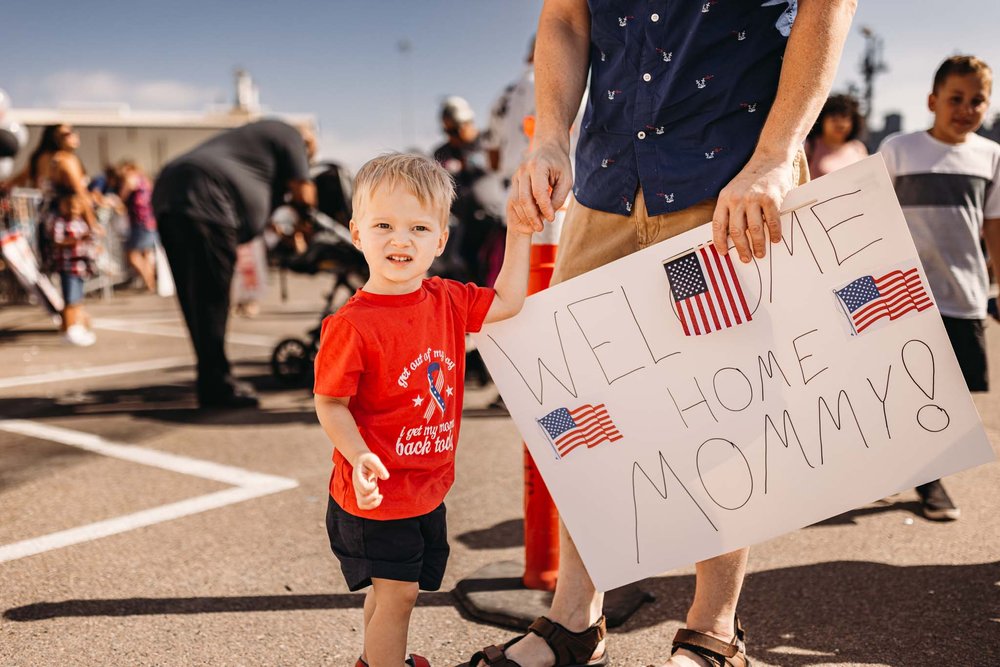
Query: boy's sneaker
{"type": "Point", "coordinates": [80, 336]}
{"type": "Point", "coordinates": [936, 503]}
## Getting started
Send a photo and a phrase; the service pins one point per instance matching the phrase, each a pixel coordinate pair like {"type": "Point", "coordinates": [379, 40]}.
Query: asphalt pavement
{"type": "Point", "coordinates": [137, 530]}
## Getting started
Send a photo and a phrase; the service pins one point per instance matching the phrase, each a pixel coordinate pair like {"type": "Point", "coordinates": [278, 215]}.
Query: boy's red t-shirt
{"type": "Point", "coordinates": [401, 360]}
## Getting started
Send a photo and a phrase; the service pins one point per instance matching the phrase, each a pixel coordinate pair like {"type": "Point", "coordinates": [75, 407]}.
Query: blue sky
{"type": "Point", "coordinates": [339, 59]}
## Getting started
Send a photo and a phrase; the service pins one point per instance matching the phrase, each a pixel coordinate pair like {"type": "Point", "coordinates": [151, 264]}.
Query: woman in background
{"type": "Point", "coordinates": [833, 142]}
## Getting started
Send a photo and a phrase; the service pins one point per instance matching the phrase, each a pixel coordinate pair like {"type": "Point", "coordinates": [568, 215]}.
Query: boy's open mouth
{"type": "Point", "coordinates": [401, 259]}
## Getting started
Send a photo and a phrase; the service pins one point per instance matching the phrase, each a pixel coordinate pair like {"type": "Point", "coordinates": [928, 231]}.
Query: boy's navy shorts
{"type": "Point", "coordinates": [414, 549]}
{"type": "Point", "coordinates": [968, 338]}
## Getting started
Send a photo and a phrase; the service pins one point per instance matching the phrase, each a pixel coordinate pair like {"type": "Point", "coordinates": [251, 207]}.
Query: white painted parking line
{"type": "Point", "coordinates": [130, 326]}
{"type": "Point", "coordinates": [246, 485]}
{"type": "Point", "coordinates": [96, 371]}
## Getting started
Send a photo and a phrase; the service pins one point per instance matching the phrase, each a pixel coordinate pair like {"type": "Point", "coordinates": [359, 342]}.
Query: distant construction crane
{"type": "Point", "coordinates": [871, 65]}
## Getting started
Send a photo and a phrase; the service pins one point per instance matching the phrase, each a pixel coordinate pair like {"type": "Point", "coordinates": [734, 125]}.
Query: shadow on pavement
{"type": "Point", "coordinates": [852, 612]}
{"type": "Point", "coordinates": [499, 536]}
{"type": "Point", "coordinates": [11, 335]}
{"type": "Point", "coordinates": [851, 518]}
{"type": "Point", "coordinates": [855, 612]}
{"type": "Point", "coordinates": [208, 605]}
{"type": "Point", "coordinates": [171, 403]}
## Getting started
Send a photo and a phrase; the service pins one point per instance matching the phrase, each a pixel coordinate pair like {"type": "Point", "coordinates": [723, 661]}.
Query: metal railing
{"type": "Point", "coordinates": [21, 213]}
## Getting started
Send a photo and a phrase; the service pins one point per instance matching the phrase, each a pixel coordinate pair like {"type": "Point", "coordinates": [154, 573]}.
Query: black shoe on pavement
{"type": "Point", "coordinates": [936, 503]}
{"type": "Point", "coordinates": [237, 395]}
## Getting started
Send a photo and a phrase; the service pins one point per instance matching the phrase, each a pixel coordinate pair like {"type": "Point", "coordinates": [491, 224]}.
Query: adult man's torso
{"type": "Point", "coordinates": [236, 178]}
{"type": "Point", "coordinates": [679, 92]}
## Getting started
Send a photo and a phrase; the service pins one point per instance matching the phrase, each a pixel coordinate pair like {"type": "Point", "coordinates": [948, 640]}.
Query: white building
{"type": "Point", "coordinates": [109, 134]}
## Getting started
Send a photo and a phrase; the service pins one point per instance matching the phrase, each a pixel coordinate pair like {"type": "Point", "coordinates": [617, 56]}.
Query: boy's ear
{"type": "Point", "coordinates": [355, 235]}
{"type": "Point", "coordinates": [442, 241]}
{"type": "Point", "coordinates": [932, 102]}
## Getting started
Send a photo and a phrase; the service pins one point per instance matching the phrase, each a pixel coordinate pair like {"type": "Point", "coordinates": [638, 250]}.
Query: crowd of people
{"type": "Point", "coordinates": [471, 210]}
{"type": "Point", "coordinates": [69, 229]}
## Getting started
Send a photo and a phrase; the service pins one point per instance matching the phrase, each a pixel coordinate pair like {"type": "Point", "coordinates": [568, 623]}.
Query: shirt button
{"type": "Point", "coordinates": [654, 18]}
{"type": "Point", "coordinates": [641, 134]}
{"type": "Point", "coordinates": [647, 77]}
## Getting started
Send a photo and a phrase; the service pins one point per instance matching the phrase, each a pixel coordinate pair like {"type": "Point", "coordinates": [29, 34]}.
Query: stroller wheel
{"type": "Point", "coordinates": [291, 363]}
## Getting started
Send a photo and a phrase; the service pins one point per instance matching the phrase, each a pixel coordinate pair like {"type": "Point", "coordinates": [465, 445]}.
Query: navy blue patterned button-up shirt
{"type": "Point", "coordinates": [679, 92]}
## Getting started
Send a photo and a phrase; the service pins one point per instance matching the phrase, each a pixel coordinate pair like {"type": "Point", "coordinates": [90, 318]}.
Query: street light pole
{"type": "Point", "coordinates": [404, 46]}
{"type": "Point", "coordinates": [871, 65]}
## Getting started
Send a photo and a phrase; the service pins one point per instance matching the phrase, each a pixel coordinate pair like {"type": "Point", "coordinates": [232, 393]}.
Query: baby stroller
{"type": "Point", "coordinates": [330, 249]}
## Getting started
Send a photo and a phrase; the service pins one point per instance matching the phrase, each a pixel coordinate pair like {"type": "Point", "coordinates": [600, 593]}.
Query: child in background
{"type": "Point", "coordinates": [136, 192]}
{"type": "Point", "coordinates": [388, 392]}
{"type": "Point", "coordinates": [73, 253]}
{"type": "Point", "coordinates": [832, 142]}
{"type": "Point", "coordinates": [947, 180]}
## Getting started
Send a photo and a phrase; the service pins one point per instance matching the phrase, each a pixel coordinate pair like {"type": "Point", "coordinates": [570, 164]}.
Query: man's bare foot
{"type": "Point", "coordinates": [532, 651]}
{"type": "Point", "coordinates": [685, 658]}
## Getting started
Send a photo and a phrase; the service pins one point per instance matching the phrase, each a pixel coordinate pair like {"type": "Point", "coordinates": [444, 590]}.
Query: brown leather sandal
{"type": "Point", "coordinates": [414, 661]}
{"type": "Point", "coordinates": [718, 653]}
{"type": "Point", "coordinates": [572, 649]}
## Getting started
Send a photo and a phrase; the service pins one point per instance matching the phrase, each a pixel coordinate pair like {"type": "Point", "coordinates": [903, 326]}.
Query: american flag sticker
{"type": "Point", "coordinates": [588, 425]}
{"type": "Point", "coordinates": [870, 299]}
{"type": "Point", "coordinates": [706, 291]}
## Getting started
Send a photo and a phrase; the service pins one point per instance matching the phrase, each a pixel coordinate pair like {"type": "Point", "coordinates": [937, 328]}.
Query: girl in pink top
{"type": "Point", "coordinates": [833, 141]}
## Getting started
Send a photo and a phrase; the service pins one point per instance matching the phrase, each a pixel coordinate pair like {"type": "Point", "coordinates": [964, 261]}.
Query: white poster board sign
{"type": "Point", "coordinates": [20, 258]}
{"type": "Point", "coordinates": [808, 383]}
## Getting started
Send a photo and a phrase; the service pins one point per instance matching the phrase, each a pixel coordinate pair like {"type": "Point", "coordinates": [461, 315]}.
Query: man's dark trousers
{"type": "Point", "coordinates": [202, 256]}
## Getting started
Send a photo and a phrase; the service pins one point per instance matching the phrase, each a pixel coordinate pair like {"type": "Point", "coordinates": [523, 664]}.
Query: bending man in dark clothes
{"type": "Point", "coordinates": [207, 201]}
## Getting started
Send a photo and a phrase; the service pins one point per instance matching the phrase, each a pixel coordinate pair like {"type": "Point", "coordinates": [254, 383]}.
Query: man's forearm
{"type": "Point", "coordinates": [562, 62]}
{"type": "Point", "coordinates": [807, 72]}
{"type": "Point", "coordinates": [303, 192]}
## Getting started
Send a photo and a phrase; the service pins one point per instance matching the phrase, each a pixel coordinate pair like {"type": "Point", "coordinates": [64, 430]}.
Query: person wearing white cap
{"type": "Point", "coordinates": [462, 157]}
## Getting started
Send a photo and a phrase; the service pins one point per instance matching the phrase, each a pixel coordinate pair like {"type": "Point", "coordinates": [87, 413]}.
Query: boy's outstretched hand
{"type": "Point", "coordinates": [368, 469]}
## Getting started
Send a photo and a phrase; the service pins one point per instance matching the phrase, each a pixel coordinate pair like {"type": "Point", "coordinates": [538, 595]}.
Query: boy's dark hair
{"type": "Point", "coordinates": [962, 65]}
{"type": "Point", "coordinates": [839, 105]}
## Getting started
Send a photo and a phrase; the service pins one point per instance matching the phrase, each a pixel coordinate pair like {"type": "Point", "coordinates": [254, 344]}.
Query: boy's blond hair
{"type": "Point", "coordinates": [961, 66]}
{"type": "Point", "coordinates": [423, 177]}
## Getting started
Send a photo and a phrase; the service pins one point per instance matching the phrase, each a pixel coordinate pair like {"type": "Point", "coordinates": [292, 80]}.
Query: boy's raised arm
{"type": "Point", "coordinates": [511, 285]}
{"type": "Point", "coordinates": [339, 425]}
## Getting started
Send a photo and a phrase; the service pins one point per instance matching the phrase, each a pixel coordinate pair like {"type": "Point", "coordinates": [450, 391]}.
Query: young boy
{"type": "Point", "coordinates": [74, 252]}
{"type": "Point", "coordinates": [389, 392]}
{"type": "Point", "coordinates": [947, 180]}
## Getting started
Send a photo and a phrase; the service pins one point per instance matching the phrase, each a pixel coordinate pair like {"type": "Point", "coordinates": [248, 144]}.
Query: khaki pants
{"type": "Point", "coordinates": [591, 239]}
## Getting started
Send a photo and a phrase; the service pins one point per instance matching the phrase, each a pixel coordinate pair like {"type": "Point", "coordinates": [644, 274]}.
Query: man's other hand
{"type": "Point", "coordinates": [539, 187]}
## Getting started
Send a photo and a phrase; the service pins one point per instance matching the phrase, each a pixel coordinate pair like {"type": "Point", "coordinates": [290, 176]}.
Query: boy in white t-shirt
{"type": "Point", "coordinates": [947, 180]}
